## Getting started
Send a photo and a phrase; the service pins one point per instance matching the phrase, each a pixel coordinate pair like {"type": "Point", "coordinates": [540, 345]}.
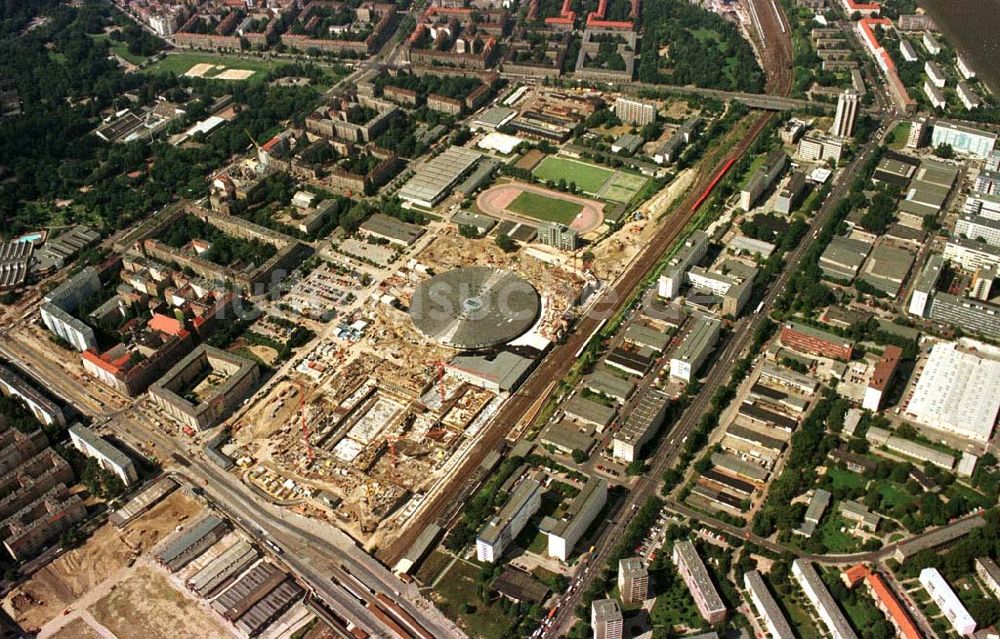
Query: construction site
{"type": "Point", "coordinates": [373, 418]}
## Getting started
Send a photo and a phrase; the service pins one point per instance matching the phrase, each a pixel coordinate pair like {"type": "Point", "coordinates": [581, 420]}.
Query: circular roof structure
{"type": "Point", "coordinates": [475, 307]}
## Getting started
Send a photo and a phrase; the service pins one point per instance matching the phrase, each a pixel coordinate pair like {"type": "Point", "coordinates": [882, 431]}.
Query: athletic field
{"type": "Point", "coordinates": [546, 209]}
{"type": "Point", "coordinates": [589, 178]}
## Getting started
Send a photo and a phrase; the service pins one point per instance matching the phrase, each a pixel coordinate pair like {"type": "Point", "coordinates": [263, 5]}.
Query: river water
{"type": "Point", "coordinates": [973, 27]}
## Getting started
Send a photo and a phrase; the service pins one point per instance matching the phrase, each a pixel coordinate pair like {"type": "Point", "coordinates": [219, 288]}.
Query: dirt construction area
{"type": "Point", "coordinates": [107, 553]}
{"type": "Point", "coordinates": [147, 605]}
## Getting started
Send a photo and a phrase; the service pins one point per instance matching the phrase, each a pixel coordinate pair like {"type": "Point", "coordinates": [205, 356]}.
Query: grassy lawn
{"type": "Point", "coordinates": [800, 620]}
{"type": "Point", "coordinates": [894, 495]}
{"type": "Point", "coordinates": [459, 587]}
{"type": "Point", "coordinates": [588, 177]}
{"type": "Point", "coordinates": [836, 540]}
{"type": "Point", "coordinates": [845, 478]}
{"type": "Point", "coordinates": [119, 48]}
{"type": "Point", "coordinates": [432, 566]}
{"type": "Point", "coordinates": [897, 139]}
{"type": "Point", "coordinates": [182, 62]}
{"type": "Point", "coordinates": [547, 209]}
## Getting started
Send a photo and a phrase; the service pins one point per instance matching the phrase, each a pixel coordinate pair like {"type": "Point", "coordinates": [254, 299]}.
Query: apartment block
{"type": "Point", "coordinates": [699, 583]}
{"type": "Point", "coordinates": [633, 580]}
{"type": "Point", "coordinates": [110, 458]}
{"type": "Point", "coordinates": [821, 600]}
{"type": "Point", "coordinates": [494, 538]}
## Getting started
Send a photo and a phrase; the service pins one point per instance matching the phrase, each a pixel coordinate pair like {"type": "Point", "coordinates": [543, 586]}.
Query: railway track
{"type": "Point", "coordinates": [558, 363]}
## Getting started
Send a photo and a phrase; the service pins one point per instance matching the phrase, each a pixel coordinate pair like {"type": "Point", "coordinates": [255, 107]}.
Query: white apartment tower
{"type": "Point", "coordinates": [847, 113]}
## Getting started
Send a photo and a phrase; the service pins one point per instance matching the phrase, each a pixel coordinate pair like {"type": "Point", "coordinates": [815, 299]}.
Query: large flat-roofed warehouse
{"type": "Point", "coordinates": [843, 258]}
{"type": "Point", "coordinates": [566, 438]}
{"type": "Point", "coordinates": [957, 393]}
{"type": "Point", "coordinates": [474, 307]}
{"type": "Point", "coordinates": [641, 424]}
{"type": "Point", "coordinates": [432, 181]}
{"type": "Point", "coordinates": [205, 386]}
{"type": "Point", "coordinates": [588, 411]}
{"type": "Point", "coordinates": [610, 385]}
{"type": "Point", "coordinates": [389, 228]}
{"type": "Point", "coordinates": [694, 349]}
{"type": "Point", "coordinates": [886, 268]}
{"type": "Point", "coordinates": [500, 373]}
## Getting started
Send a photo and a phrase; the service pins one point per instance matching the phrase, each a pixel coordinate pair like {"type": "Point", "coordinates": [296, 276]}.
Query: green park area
{"type": "Point", "coordinates": [589, 178]}
{"type": "Point", "coordinates": [544, 208]}
{"type": "Point", "coordinates": [181, 63]}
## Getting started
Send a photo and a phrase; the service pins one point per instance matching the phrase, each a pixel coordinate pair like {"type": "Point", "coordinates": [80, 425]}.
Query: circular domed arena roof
{"type": "Point", "coordinates": [474, 307]}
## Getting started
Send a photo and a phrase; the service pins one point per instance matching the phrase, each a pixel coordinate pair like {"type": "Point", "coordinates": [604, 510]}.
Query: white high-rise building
{"type": "Point", "coordinates": [606, 619]}
{"type": "Point", "coordinates": [847, 113]}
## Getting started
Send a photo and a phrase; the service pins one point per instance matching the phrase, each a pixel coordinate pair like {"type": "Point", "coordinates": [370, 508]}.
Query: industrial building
{"type": "Point", "coordinates": [205, 386]}
{"type": "Point", "coordinates": [606, 619]}
{"type": "Point", "coordinates": [927, 193]}
{"type": "Point", "coordinates": [956, 393]}
{"type": "Point", "coordinates": [108, 457]}
{"type": "Point", "coordinates": [500, 373]}
{"type": "Point", "coordinates": [633, 580]}
{"type": "Point", "coordinates": [252, 587]}
{"type": "Point", "coordinates": [965, 140]}
{"type": "Point", "coordinates": [807, 339]}
{"type": "Point", "coordinates": [143, 501]}
{"type": "Point", "coordinates": [923, 287]}
{"type": "Point", "coordinates": [699, 583]}
{"type": "Point", "coordinates": [969, 254]}
{"type": "Point", "coordinates": [886, 268]}
{"type": "Point", "coordinates": [497, 534]}
{"type": "Point", "coordinates": [610, 385]}
{"type": "Point", "coordinates": [947, 602]}
{"type": "Point", "coordinates": [881, 437]}
{"type": "Point", "coordinates": [744, 244]}
{"type": "Point", "coordinates": [232, 562]}
{"type": "Point", "coordinates": [641, 425]}
{"type": "Point", "coordinates": [389, 228]}
{"type": "Point", "coordinates": [763, 179]}
{"type": "Point", "coordinates": [564, 533]}
{"type": "Point", "coordinates": [269, 608]}
{"type": "Point", "coordinates": [588, 411]}
{"type": "Point", "coordinates": [434, 180]}
{"type": "Point", "coordinates": [190, 544]}
{"type": "Point", "coordinates": [763, 601]}
{"type": "Point", "coordinates": [818, 595]}
{"type": "Point", "coordinates": [694, 349]}
{"type": "Point", "coordinates": [42, 408]}
{"type": "Point", "coordinates": [566, 437]}
{"type": "Point", "coordinates": [843, 257]}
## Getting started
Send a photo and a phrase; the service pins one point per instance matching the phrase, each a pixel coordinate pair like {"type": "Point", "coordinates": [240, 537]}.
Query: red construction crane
{"type": "Point", "coordinates": [305, 429]}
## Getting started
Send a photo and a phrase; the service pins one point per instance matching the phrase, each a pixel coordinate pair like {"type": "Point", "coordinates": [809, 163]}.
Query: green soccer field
{"type": "Point", "coordinates": [546, 209]}
{"type": "Point", "coordinates": [588, 177]}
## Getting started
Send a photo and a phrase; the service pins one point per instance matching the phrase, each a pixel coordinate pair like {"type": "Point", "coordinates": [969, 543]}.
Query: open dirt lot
{"type": "Point", "coordinates": [199, 70]}
{"type": "Point", "coordinates": [76, 629]}
{"type": "Point", "coordinates": [234, 74]}
{"type": "Point", "coordinates": [146, 605]}
{"type": "Point", "coordinates": [107, 552]}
